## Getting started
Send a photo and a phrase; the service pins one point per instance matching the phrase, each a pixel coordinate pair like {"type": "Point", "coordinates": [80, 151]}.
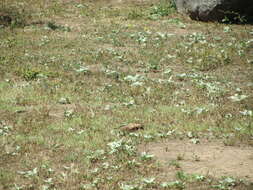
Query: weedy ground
{"type": "Point", "coordinates": [72, 73]}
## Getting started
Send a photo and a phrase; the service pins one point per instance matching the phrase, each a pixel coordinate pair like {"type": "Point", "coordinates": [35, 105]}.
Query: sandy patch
{"type": "Point", "coordinates": [207, 158]}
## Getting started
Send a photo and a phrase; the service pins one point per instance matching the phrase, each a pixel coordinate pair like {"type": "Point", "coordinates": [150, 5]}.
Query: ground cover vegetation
{"type": "Point", "coordinates": [72, 73]}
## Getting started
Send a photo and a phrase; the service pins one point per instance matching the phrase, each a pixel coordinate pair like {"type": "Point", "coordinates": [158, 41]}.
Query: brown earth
{"type": "Point", "coordinates": [206, 158]}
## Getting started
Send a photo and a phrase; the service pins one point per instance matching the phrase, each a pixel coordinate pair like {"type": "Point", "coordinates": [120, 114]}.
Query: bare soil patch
{"type": "Point", "coordinates": [207, 158]}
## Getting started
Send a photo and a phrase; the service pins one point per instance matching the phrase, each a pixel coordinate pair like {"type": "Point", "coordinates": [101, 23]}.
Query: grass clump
{"type": "Point", "coordinates": [13, 16]}
{"type": "Point", "coordinates": [53, 26]}
{"type": "Point", "coordinates": [135, 14]}
{"type": "Point", "coordinates": [163, 8]}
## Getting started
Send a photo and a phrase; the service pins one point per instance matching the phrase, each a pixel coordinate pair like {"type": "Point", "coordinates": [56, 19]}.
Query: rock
{"type": "Point", "coordinates": [216, 10]}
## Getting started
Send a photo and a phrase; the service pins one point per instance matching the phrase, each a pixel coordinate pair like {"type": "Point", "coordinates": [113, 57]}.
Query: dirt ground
{"type": "Point", "coordinates": [206, 158]}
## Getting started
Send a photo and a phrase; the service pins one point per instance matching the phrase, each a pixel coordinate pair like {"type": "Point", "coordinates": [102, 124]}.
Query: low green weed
{"type": "Point", "coordinates": [14, 16]}
{"type": "Point", "coordinates": [163, 8]}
